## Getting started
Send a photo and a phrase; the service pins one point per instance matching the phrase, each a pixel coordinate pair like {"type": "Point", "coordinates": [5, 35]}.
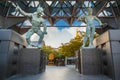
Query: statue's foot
{"type": "Point", "coordinates": [45, 32]}
{"type": "Point", "coordinates": [29, 46]}
{"type": "Point", "coordinates": [39, 46]}
{"type": "Point", "coordinates": [91, 46]}
{"type": "Point", "coordinates": [83, 46]}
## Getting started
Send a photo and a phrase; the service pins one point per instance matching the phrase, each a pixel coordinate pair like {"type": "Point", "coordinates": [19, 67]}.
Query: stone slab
{"type": "Point", "coordinates": [116, 61]}
{"type": "Point", "coordinates": [114, 35]}
{"type": "Point", "coordinates": [101, 39]}
{"type": "Point", "coordinates": [42, 61]}
{"type": "Point", "coordinates": [115, 46]}
{"type": "Point", "coordinates": [4, 46]}
{"type": "Point", "coordinates": [90, 61]}
{"type": "Point", "coordinates": [29, 61]}
{"type": "Point", "coordinates": [109, 35]}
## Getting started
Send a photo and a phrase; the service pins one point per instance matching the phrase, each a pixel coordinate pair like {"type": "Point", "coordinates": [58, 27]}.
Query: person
{"type": "Point", "coordinates": [90, 27]}
{"type": "Point", "coordinates": [37, 21]}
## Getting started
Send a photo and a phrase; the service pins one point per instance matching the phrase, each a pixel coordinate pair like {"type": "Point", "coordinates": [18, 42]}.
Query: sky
{"type": "Point", "coordinates": [56, 36]}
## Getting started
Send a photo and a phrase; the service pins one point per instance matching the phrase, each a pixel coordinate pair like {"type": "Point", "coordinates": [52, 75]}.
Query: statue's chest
{"type": "Point", "coordinates": [36, 19]}
{"type": "Point", "coordinates": [89, 18]}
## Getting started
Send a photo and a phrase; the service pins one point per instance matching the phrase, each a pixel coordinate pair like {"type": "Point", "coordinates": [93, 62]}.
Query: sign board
{"type": "Point", "coordinates": [51, 56]}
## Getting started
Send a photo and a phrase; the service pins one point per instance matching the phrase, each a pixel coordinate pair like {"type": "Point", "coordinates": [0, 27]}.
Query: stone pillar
{"type": "Point", "coordinates": [90, 61]}
{"type": "Point", "coordinates": [29, 61]}
{"type": "Point", "coordinates": [10, 45]}
{"type": "Point", "coordinates": [109, 44]}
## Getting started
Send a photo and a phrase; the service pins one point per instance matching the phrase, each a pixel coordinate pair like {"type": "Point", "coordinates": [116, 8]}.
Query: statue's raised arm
{"type": "Point", "coordinates": [22, 12]}
{"type": "Point", "coordinates": [81, 18]}
{"type": "Point", "coordinates": [98, 20]}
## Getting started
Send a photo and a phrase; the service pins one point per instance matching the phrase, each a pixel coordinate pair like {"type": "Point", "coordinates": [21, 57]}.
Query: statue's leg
{"type": "Point", "coordinates": [28, 35]}
{"type": "Point", "coordinates": [86, 36]}
{"type": "Point", "coordinates": [92, 36]}
{"type": "Point", "coordinates": [44, 29]}
{"type": "Point", "coordinates": [41, 36]}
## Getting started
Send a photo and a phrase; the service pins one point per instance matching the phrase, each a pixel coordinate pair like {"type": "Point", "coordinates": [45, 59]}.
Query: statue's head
{"type": "Point", "coordinates": [40, 11]}
{"type": "Point", "coordinates": [90, 11]}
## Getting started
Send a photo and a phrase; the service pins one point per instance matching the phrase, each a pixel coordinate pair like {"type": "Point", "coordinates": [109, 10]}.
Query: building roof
{"type": "Point", "coordinates": [64, 11]}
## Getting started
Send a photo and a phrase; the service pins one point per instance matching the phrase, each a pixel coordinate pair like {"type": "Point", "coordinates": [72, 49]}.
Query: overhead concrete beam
{"type": "Point", "coordinates": [6, 22]}
{"type": "Point", "coordinates": [110, 21]}
{"type": "Point", "coordinates": [10, 21]}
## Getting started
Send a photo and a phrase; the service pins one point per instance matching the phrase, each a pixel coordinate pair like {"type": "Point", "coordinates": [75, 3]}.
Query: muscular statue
{"type": "Point", "coordinates": [90, 27]}
{"type": "Point", "coordinates": [37, 21]}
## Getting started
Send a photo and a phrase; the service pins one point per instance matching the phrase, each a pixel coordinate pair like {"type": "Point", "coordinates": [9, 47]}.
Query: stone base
{"type": "Point", "coordinates": [30, 61]}
{"type": "Point", "coordinates": [90, 61]}
{"type": "Point", "coordinates": [42, 61]}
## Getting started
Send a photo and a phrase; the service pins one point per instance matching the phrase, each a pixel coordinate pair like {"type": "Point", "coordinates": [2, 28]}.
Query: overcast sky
{"type": "Point", "coordinates": [55, 36]}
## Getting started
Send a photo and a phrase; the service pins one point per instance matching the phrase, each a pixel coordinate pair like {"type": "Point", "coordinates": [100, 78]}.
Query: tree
{"type": "Point", "coordinates": [49, 49]}
{"type": "Point", "coordinates": [69, 49]}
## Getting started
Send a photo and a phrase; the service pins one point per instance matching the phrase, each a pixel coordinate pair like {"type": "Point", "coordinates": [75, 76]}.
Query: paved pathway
{"type": "Point", "coordinates": [59, 73]}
